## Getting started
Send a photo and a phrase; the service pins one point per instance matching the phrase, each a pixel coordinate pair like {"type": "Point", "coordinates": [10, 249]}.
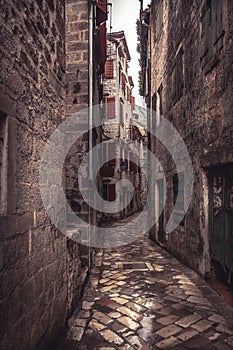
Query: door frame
{"type": "Point", "coordinates": [222, 171]}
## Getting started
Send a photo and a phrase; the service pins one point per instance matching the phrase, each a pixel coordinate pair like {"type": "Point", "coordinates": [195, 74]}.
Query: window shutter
{"type": "Point", "coordinates": [133, 162]}
{"type": "Point", "coordinates": [122, 113]}
{"type": "Point", "coordinates": [101, 12]}
{"type": "Point", "coordinates": [103, 46]}
{"type": "Point", "coordinates": [206, 34]}
{"type": "Point", "coordinates": [111, 108]}
{"type": "Point", "coordinates": [109, 69]}
{"type": "Point", "coordinates": [154, 103]}
{"type": "Point", "coordinates": [123, 82]}
{"type": "Point", "coordinates": [133, 102]}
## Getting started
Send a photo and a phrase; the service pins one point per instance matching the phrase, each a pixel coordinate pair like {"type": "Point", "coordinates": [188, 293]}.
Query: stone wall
{"type": "Point", "coordinates": [41, 274]}
{"type": "Point", "coordinates": [76, 100]}
{"type": "Point", "coordinates": [202, 114]}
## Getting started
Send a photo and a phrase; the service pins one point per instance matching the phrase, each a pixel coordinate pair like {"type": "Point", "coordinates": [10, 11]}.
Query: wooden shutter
{"type": "Point", "coordinates": [101, 12]}
{"type": "Point", "coordinates": [154, 104]}
{"type": "Point", "coordinates": [108, 69]}
{"type": "Point", "coordinates": [103, 46]}
{"type": "Point", "coordinates": [206, 35]}
{"type": "Point", "coordinates": [133, 163]}
{"type": "Point", "coordinates": [133, 102]}
{"type": "Point", "coordinates": [121, 114]}
{"type": "Point", "coordinates": [111, 108]}
{"type": "Point", "coordinates": [123, 82]}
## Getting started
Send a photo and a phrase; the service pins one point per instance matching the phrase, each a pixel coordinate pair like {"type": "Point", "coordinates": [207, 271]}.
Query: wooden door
{"type": "Point", "coordinates": [221, 215]}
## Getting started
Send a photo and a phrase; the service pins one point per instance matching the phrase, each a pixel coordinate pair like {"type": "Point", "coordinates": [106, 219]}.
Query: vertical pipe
{"type": "Point", "coordinates": [90, 114]}
{"type": "Point", "coordinates": [90, 70]}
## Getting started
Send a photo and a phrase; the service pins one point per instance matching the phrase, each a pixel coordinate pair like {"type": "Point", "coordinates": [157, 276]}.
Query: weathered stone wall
{"type": "Point", "coordinates": [78, 88]}
{"type": "Point", "coordinates": [37, 264]}
{"type": "Point", "coordinates": [202, 115]}
{"type": "Point", "coordinates": [77, 99]}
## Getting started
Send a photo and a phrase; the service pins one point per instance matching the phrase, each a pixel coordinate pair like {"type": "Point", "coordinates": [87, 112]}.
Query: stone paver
{"type": "Point", "coordinates": [142, 298]}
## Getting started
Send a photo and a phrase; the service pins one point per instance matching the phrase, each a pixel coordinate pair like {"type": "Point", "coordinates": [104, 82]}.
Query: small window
{"type": "Point", "coordinates": [154, 106]}
{"type": "Point", "coordinates": [157, 107]}
{"type": "Point", "coordinates": [178, 76]}
{"type": "Point", "coordinates": [108, 74]}
{"type": "Point", "coordinates": [123, 83]}
{"type": "Point", "coordinates": [3, 162]}
{"type": "Point", "coordinates": [110, 108]}
{"type": "Point", "coordinates": [121, 113]}
{"type": "Point", "coordinates": [212, 32]}
{"type": "Point", "coordinates": [178, 198]}
{"type": "Point", "coordinates": [160, 93]}
{"type": "Point", "coordinates": [109, 192]}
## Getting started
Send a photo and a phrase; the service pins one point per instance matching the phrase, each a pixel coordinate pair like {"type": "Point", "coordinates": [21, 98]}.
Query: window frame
{"type": "Point", "coordinates": [211, 32]}
{"type": "Point", "coordinates": [178, 76]}
{"type": "Point", "coordinates": [176, 189]}
{"type": "Point", "coordinates": [110, 110]}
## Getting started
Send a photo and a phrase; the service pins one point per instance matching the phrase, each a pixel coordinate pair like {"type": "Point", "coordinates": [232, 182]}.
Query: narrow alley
{"type": "Point", "coordinates": [116, 174]}
{"type": "Point", "coordinates": [140, 297]}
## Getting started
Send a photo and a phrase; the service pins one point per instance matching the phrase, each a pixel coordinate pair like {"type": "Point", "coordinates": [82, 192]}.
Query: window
{"type": "Point", "coordinates": [157, 107]}
{"type": "Point", "coordinates": [110, 108]}
{"type": "Point", "coordinates": [154, 106]}
{"type": "Point", "coordinates": [159, 20]}
{"type": "Point", "coordinates": [212, 32]}
{"type": "Point", "coordinates": [178, 197]}
{"type": "Point", "coordinates": [109, 192]}
{"type": "Point", "coordinates": [109, 69]}
{"type": "Point", "coordinates": [160, 93]}
{"type": "Point", "coordinates": [101, 12]}
{"type": "Point", "coordinates": [178, 76]}
{"type": "Point", "coordinates": [128, 94]}
{"type": "Point", "coordinates": [3, 162]}
{"type": "Point", "coordinates": [123, 83]}
{"type": "Point", "coordinates": [133, 163]}
{"type": "Point", "coordinates": [132, 102]}
{"type": "Point", "coordinates": [121, 113]}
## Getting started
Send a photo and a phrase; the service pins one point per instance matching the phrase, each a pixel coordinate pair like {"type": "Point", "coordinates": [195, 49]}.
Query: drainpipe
{"type": "Point", "coordinates": [90, 113]}
{"type": "Point", "coordinates": [90, 70]}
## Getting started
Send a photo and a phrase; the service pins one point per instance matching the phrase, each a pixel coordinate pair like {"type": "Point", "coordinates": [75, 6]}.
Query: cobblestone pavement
{"type": "Point", "coordinates": [140, 297]}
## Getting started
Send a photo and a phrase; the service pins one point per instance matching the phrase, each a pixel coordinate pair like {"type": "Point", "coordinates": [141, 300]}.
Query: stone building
{"type": "Point", "coordinates": [42, 272]}
{"type": "Point", "coordinates": [188, 80]}
{"type": "Point", "coordinates": [118, 124]}
{"type": "Point", "coordinates": [86, 53]}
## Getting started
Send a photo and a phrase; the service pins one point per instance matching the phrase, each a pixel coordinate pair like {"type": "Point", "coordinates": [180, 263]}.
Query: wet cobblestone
{"type": "Point", "coordinates": [140, 297]}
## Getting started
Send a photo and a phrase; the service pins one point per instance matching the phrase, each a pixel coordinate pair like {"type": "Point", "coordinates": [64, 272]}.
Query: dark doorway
{"type": "Point", "coordinates": [160, 186]}
{"type": "Point", "coordinates": [221, 218]}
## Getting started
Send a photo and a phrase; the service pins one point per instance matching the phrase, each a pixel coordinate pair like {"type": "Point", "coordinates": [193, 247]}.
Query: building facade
{"type": "Point", "coordinates": [118, 124]}
{"type": "Point", "coordinates": [188, 80]}
{"type": "Point", "coordinates": [42, 271]}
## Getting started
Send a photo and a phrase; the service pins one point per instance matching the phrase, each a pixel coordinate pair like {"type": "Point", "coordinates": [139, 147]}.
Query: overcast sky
{"type": "Point", "coordinates": [124, 16]}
